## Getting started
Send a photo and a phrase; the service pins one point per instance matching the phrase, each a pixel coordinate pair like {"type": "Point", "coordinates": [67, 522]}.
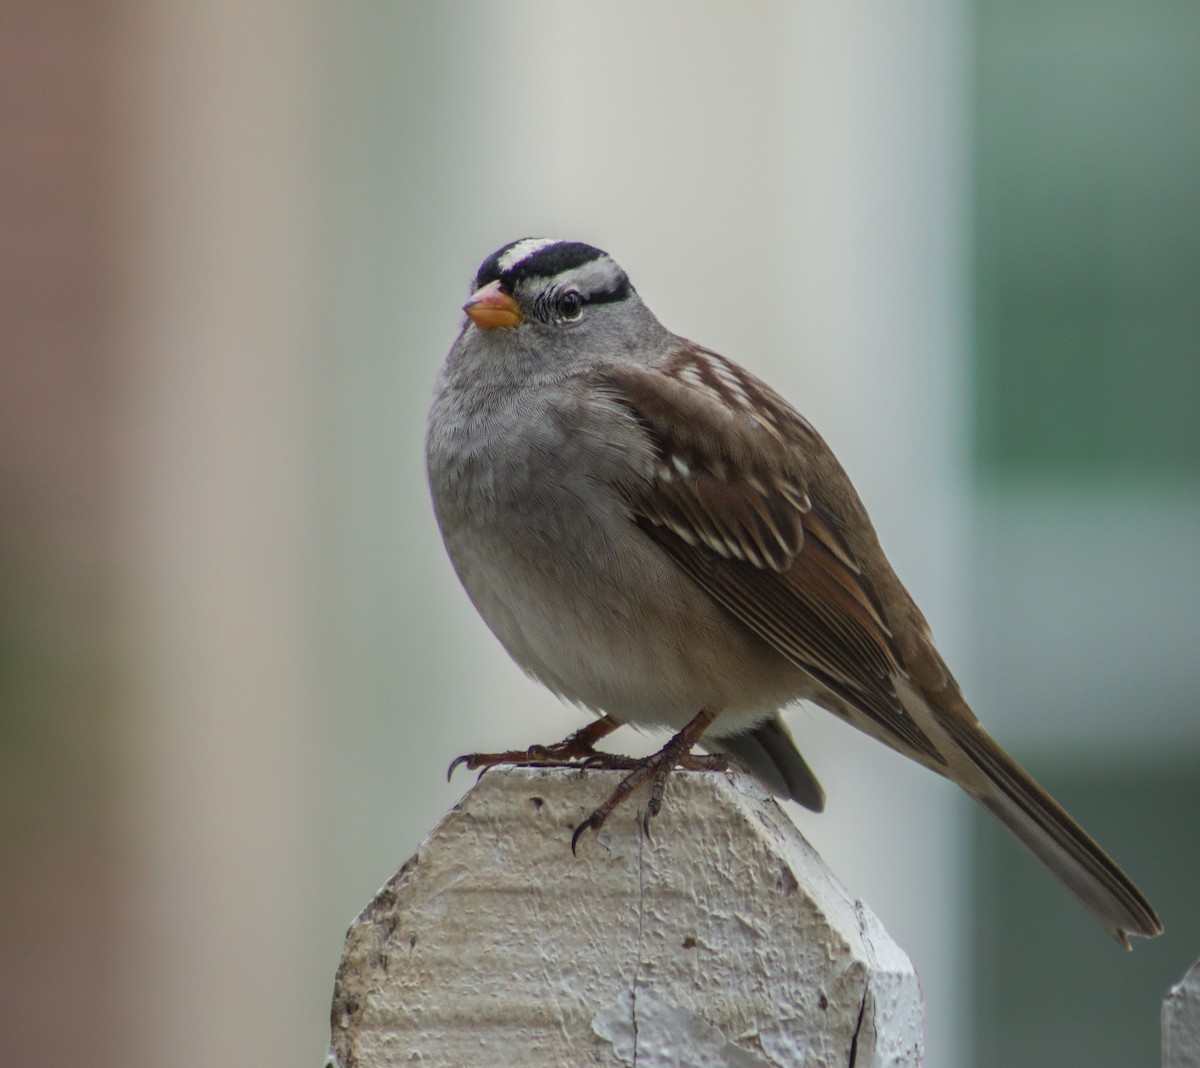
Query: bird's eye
{"type": "Point", "coordinates": [569, 305]}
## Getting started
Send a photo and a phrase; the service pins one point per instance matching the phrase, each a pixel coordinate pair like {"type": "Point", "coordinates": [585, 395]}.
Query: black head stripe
{"type": "Point", "coordinates": [548, 260]}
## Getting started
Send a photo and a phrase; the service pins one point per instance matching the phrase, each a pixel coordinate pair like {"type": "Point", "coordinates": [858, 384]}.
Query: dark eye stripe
{"type": "Point", "coordinates": [608, 296]}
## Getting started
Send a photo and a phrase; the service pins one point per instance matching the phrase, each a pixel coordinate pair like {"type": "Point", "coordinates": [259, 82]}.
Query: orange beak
{"type": "Point", "coordinates": [490, 307]}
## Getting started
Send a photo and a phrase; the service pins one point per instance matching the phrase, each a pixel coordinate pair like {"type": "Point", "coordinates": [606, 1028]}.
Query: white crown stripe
{"type": "Point", "coordinates": [522, 250]}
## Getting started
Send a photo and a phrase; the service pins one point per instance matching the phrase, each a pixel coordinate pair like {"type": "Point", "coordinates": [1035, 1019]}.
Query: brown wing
{"type": "Point", "coordinates": [735, 499]}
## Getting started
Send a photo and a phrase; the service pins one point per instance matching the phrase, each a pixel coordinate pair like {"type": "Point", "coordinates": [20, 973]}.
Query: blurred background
{"type": "Point", "coordinates": [963, 238]}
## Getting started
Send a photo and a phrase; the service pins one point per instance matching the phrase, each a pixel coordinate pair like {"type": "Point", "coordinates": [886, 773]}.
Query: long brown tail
{"type": "Point", "coordinates": [1043, 827]}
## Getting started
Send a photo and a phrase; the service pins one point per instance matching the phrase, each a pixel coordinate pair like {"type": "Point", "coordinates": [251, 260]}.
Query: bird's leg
{"type": "Point", "coordinates": [578, 746]}
{"type": "Point", "coordinates": [654, 768]}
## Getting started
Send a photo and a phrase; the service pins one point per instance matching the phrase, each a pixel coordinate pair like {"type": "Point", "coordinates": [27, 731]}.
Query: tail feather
{"type": "Point", "coordinates": [1043, 826]}
{"type": "Point", "coordinates": [771, 754]}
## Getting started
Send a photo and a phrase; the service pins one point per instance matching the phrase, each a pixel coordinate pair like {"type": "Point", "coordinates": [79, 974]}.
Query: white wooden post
{"type": "Point", "coordinates": [724, 940]}
{"type": "Point", "coordinates": [1181, 1022]}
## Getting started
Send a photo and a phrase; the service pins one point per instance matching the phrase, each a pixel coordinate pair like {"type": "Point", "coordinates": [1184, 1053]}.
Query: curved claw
{"type": "Point", "coordinates": [466, 758]}
{"type": "Point", "coordinates": [649, 813]}
{"type": "Point", "coordinates": [590, 823]}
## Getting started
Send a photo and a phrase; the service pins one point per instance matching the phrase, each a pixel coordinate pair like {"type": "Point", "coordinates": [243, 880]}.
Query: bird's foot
{"type": "Point", "coordinates": [653, 769]}
{"type": "Point", "coordinates": [579, 746]}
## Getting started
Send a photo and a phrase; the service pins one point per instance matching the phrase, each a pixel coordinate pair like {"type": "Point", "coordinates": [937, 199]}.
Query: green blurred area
{"type": "Point", "coordinates": [1087, 445]}
{"type": "Point", "coordinates": [1087, 218]}
{"type": "Point", "coordinates": [1048, 991]}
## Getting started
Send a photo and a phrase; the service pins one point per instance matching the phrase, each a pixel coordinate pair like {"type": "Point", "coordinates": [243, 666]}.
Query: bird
{"type": "Point", "coordinates": [657, 536]}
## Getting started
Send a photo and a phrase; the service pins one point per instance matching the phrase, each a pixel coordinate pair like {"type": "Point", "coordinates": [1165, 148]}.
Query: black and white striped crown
{"type": "Point", "coordinates": [532, 263]}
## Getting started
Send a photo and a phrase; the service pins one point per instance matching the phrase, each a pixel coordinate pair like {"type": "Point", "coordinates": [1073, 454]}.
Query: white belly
{"type": "Point", "coordinates": [629, 638]}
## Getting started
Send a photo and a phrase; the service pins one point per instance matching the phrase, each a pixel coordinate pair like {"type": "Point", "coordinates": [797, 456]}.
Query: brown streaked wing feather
{"type": "Point", "coordinates": [808, 619]}
{"type": "Point", "coordinates": [730, 501]}
{"type": "Point", "coordinates": [728, 517]}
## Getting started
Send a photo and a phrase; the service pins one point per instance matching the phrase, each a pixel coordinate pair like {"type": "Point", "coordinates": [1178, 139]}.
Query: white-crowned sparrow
{"type": "Point", "coordinates": [655, 534]}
